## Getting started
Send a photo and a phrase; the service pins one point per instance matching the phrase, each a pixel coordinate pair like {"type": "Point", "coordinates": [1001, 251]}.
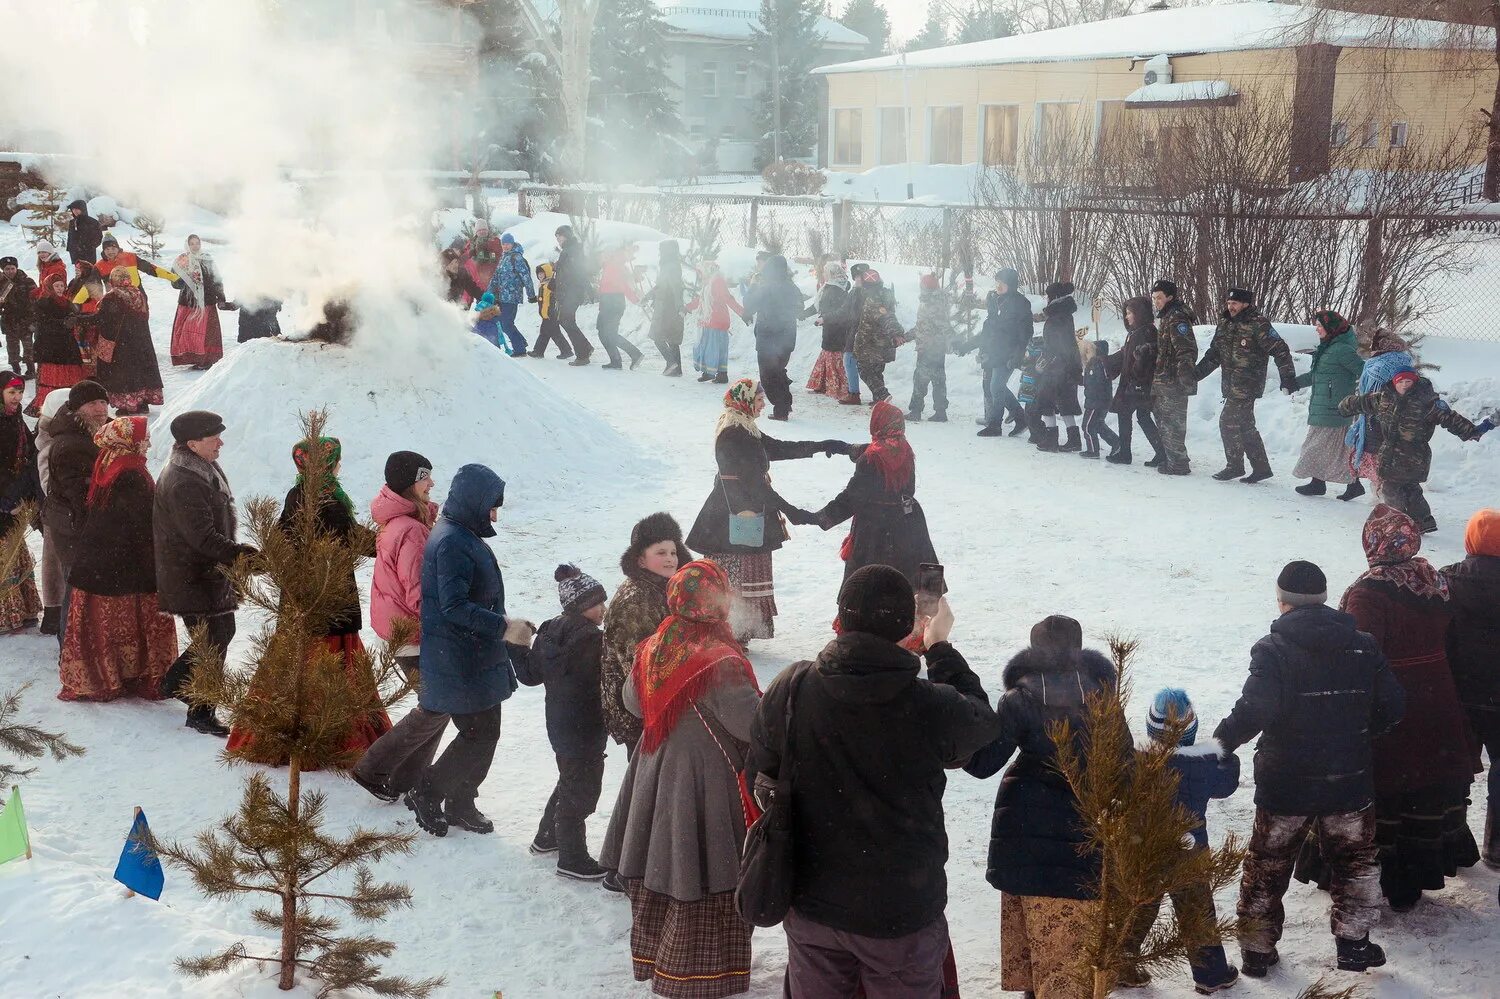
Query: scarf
{"type": "Point", "coordinates": [1483, 534]}
{"type": "Point", "coordinates": [676, 665]}
{"type": "Point", "coordinates": [739, 408]}
{"type": "Point", "coordinates": [1392, 540]}
{"type": "Point", "coordinates": [712, 288]}
{"type": "Point", "coordinates": [122, 443]}
{"type": "Point", "coordinates": [1332, 322]}
{"type": "Point", "coordinates": [331, 450]}
{"type": "Point", "coordinates": [193, 269]}
{"type": "Point", "coordinates": [127, 292]}
{"type": "Point", "coordinates": [889, 450]}
{"type": "Point", "coordinates": [1377, 372]}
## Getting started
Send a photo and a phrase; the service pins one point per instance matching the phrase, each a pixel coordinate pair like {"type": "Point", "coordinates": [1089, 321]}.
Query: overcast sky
{"type": "Point", "coordinates": [907, 17]}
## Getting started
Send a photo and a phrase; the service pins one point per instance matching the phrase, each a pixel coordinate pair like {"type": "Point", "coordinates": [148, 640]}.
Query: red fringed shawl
{"type": "Point", "coordinates": [889, 450]}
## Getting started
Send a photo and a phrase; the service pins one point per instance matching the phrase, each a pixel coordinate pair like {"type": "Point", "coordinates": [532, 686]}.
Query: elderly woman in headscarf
{"type": "Point", "coordinates": [679, 823]}
{"type": "Point", "coordinates": [741, 523]}
{"type": "Point", "coordinates": [713, 303]}
{"type": "Point", "coordinates": [1336, 369]}
{"type": "Point", "coordinates": [1423, 766]}
{"type": "Point", "coordinates": [335, 517]}
{"type": "Point", "coordinates": [118, 642]}
{"type": "Point", "coordinates": [125, 355]}
{"type": "Point", "coordinates": [20, 604]}
{"type": "Point", "coordinates": [836, 317]}
{"type": "Point", "coordinates": [889, 527]}
{"type": "Point", "coordinates": [196, 336]}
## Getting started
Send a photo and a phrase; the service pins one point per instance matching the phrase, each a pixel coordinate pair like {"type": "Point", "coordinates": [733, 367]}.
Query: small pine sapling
{"type": "Point", "coordinates": [771, 237]}
{"type": "Point", "coordinates": [150, 242]}
{"type": "Point", "coordinates": [46, 218]}
{"type": "Point", "coordinates": [19, 741]}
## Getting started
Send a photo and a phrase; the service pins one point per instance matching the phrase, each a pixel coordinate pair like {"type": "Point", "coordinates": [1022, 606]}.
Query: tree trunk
{"type": "Point", "coordinates": [1492, 146]}
{"type": "Point", "coordinates": [289, 890]}
{"type": "Point", "coordinates": [577, 25]}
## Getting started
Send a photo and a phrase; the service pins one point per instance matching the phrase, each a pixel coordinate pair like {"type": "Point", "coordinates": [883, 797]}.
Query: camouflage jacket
{"type": "Point", "coordinates": [1241, 347]}
{"type": "Point", "coordinates": [637, 610]}
{"type": "Point", "coordinates": [877, 334]}
{"type": "Point", "coordinates": [1404, 425]}
{"type": "Point", "coordinates": [934, 329]}
{"type": "Point", "coordinates": [1176, 352]}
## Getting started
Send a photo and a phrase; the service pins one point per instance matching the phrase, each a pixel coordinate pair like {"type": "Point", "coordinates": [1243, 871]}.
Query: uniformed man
{"type": "Point", "coordinates": [1242, 344]}
{"type": "Point", "coordinates": [1175, 380]}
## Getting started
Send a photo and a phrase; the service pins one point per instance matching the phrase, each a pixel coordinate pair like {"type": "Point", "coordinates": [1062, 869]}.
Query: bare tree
{"type": "Point", "coordinates": [571, 52]}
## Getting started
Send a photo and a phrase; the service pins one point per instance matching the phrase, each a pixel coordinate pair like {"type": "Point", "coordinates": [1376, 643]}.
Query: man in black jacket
{"type": "Point", "coordinates": [84, 234]}
{"type": "Point", "coordinates": [15, 316]}
{"type": "Point", "coordinates": [70, 464]}
{"type": "Point", "coordinates": [1002, 347]}
{"type": "Point", "coordinates": [1319, 692]}
{"type": "Point", "coordinates": [573, 284]}
{"type": "Point", "coordinates": [869, 743]}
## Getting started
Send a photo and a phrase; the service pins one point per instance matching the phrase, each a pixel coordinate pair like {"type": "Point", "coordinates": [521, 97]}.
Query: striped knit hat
{"type": "Point", "coordinates": [1172, 702]}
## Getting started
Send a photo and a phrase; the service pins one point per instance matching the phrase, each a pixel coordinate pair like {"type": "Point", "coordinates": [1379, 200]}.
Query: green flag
{"type": "Point", "coordinates": [13, 839]}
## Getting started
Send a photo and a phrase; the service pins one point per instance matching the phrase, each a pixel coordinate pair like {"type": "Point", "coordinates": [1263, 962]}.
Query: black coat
{"type": "Point", "coordinates": [15, 307]}
{"type": "Point", "coordinates": [1060, 370]}
{"type": "Point", "coordinates": [260, 320]}
{"type": "Point", "coordinates": [18, 475]}
{"type": "Point", "coordinates": [1035, 831]}
{"type": "Point", "coordinates": [84, 237]}
{"type": "Point", "coordinates": [775, 304]}
{"type": "Point", "coordinates": [666, 303]}
{"type": "Point", "coordinates": [461, 283]}
{"type": "Point", "coordinates": [55, 340]}
{"type": "Point", "coordinates": [1007, 330]}
{"type": "Point", "coordinates": [743, 482]}
{"type": "Point", "coordinates": [193, 530]}
{"type": "Point", "coordinates": [115, 555]}
{"type": "Point", "coordinates": [835, 308]}
{"type": "Point", "coordinates": [566, 658]}
{"type": "Point", "coordinates": [1134, 364]}
{"type": "Point", "coordinates": [889, 527]}
{"type": "Point", "coordinates": [133, 368]}
{"type": "Point", "coordinates": [871, 741]}
{"type": "Point", "coordinates": [336, 519]}
{"type": "Point", "coordinates": [1474, 634]}
{"type": "Point", "coordinates": [1318, 694]}
{"type": "Point", "coordinates": [573, 280]}
{"type": "Point", "coordinates": [70, 466]}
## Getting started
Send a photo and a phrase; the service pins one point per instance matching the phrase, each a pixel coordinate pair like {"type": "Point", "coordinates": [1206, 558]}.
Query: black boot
{"type": "Point", "coordinates": [201, 719]}
{"type": "Point", "coordinates": [1317, 487]}
{"type": "Point", "coordinates": [573, 859]}
{"type": "Point", "coordinates": [705, 377]}
{"type": "Point", "coordinates": [427, 809]}
{"type": "Point", "coordinates": [993, 430]}
{"type": "Point", "coordinates": [1047, 440]}
{"type": "Point", "coordinates": [51, 620]}
{"type": "Point", "coordinates": [1255, 964]}
{"type": "Point", "coordinates": [1359, 955]}
{"type": "Point", "coordinates": [1119, 456]}
{"type": "Point", "coordinates": [1490, 849]}
{"type": "Point", "coordinates": [1355, 490]}
{"type": "Point", "coordinates": [914, 414]}
{"type": "Point", "coordinates": [1229, 472]}
{"type": "Point", "coordinates": [1074, 441]}
{"type": "Point", "coordinates": [1258, 473]}
{"type": "Point", "coordinates": [545, 841]}
{"type": "Point", "coordinates": [1157, 460]}
{"type": "Point", "coordinates": [377, 790]}
{"type": "Point", "coordinates": [464, 815]}
{"type": "Point", "coordinates": [938, 417]}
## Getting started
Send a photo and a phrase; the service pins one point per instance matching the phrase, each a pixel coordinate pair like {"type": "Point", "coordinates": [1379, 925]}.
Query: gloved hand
{"type": "Point", "coordinates": [532, 299]}
{"type": "Point", "coordinates": [519, 631]}
{"type": "Point", "coordinates": [227, 306]}
{"type": "Point", "coordinates": [831, 448]}
{"type": "Point", "coordinates": [800, 517]}
{"type": "Point", "coordinates": [246, 551]}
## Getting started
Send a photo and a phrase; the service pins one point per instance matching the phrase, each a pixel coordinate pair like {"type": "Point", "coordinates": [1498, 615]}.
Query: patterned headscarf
{"type": "Point", "coordinates": [1392, 540]}
{"type": "Point", "coordinates": [889, 450]}
{"type": "Point", "coordinates": [1483, 534]}
{"type": "Point", "coordinates": [1386, 342]}
{"type": "Point", "coordinates": [677, 665]}
{"type": "Point", "coordinates": [123, 443]}
{"type": "Point", "coordinates": [331, 450]}
{"type": "Point", "coordinates": [739, 408]}
{"type": "Point", "coordinates": [125, 290]}
{"type": "Point", "coordinates": [1331, 321]}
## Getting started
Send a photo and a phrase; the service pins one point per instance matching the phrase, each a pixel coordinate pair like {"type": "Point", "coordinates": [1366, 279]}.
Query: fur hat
{"type": "Point", "coordinates": [930, 282]}
{"type": "Point", "coordinates": [1167, 288]}
{"type": "Point", "coordinates": [1057, 633]}
{"type": "Point", "coordinates": [1172, 703]}
{"type": "Point", "coordinates": [84, 392]}
{"type": "Point", "coordinates": [878, 600]}
{"type": "Point", "coordinates": [577, 591]}
{"type": "Point", "coordinates": [1059, 289]}
{"type": "Point", "coordinates": [1302, 584]}
{"type": "Point", "coordinates": [42, 246]}
{"type": "Point", "coordinates": [653, 530]}
{"type": "Point", "coordinates": [1241, 295]}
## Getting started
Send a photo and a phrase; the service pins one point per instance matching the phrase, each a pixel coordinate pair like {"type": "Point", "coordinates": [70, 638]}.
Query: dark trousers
{"type": "Point", "coordinates": [666, 333]}
{"type": "Point", "coordinates": [457, 774]}
{"type": "Point", "coordinates": [773, 377]}
{"type": "Point", "coordinates": [824, 962]}
{"type": "Point", "coordinates": [1486, 724]}
{"type": "Point", "coordinates": [551, 333]}
{"type": "Point", "coordinates": [1210, 967]}
{"type": "Point", "coordinates": [18, 344]}
{"type": "Point", "coordinates": [1141, 414]}
{"type": "Point", "coordinates": [1240, 435]}
{"type": "Point", "coordinates": [1170, 412]}
{"type": "Point", "coordinates": [611, 311]}
{"type": "Point", "coordinates": [1408, 498]}
{"type": "Point", "coordinates": [220, 634]}
{"type": "Point", "coordinates": [567, 318]}
{"type": "Point", "coordinates": [579, 782]}
{"type": "Point", "coordinates": [398, 758]}
{"type": "Point", "coordinates": [931, 370]}
{"type": "Point", "coordinates": [1095, 430]}
{"type": "Point", "coordinates": [508, 326]}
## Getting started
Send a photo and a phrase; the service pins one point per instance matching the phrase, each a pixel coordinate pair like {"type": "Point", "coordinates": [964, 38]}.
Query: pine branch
{"type": "Point", "coordinates": [27, 741]}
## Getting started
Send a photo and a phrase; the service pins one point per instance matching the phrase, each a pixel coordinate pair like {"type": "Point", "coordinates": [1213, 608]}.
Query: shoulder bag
{"type": "Point", "coordinates": [768, 867]}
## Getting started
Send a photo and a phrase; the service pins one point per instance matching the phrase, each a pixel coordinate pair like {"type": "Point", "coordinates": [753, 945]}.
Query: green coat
{"type": "Point", "coordinates": [1335, 374]}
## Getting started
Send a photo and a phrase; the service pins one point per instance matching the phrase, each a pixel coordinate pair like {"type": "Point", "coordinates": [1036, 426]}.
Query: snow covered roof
{"type": "Point", "coordinates": [1259, 24]}
{"type": "Point", "coordinates": [736, 19]}
{"type": "Point", "coordinates": [1196, 92]}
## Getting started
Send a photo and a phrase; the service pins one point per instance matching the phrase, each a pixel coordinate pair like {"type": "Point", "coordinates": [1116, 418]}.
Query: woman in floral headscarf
{"type": "Point", "coordinates": [125, 355]}
{"type": "Point", "coordinates": [118, 644]}
{"type": "Point", "coordinates": [679, 823]}
{"type": "Point", "coordinates": [196, 336]}
{"type": "Point", "coordinates": [741, 525]}
{"type": "Point", "coordinates": [59, 346]}
{"type": "Point", "coordinates": [1423, 766]}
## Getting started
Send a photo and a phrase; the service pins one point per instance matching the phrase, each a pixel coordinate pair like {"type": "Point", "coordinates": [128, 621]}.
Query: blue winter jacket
{"type": "Point", "coordinates": [1206, 772]}
{"type": "Point", "coordinates": [466, 664]}
{"type": "Point", "coordinates": [512, 284]}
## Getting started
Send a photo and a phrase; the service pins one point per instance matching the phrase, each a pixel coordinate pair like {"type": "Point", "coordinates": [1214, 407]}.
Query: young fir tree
{"type": "Point", "coordinates": [150, 242]}
{"type": "Point", "coordinates": [1128, 805]}
{"type": "Point", "coordinates": [981, 21]}
{"type": "Point", "coordinates": [934, 33]}
{"type": "Point", "coordinates": [868, 18]}
{"type": "Point", "coordinates": [788, 44]}
{"type": "Point", "coordinates": [300, 703]}
{"type": "Point", "coordinates": [635, 125]}
{"type": "Point", "coordinates": [46, 219]}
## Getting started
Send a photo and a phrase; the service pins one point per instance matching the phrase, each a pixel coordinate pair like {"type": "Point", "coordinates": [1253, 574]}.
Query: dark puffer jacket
{"type": "Point", "coordinates": [836, 310]}
{"type": "Point", "coordinates": [1474, 635]}
{"type": "Point", "coordinates": [1176, 371]}
{"type": "Point", "coordinates": [565, 658]}
{"type": "Point", "coordinates": [1241, 347]}
{"type": "Point", "coordinates": [1007, 330]}
{"type": "Point", "coordinates": [70, 466]}
{"type": "Point", "coordinates": [1035, 833]}
{"type": "Point", "coordinates": [1318, 694]}
{"type": "Point", "coordinates": [1403, 426]}
{"type": "Point", "coordinates": [1134, 363]}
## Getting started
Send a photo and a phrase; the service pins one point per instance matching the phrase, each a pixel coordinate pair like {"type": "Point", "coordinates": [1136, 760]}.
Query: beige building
{"type": "Point", "coordinates": [1355, 81]}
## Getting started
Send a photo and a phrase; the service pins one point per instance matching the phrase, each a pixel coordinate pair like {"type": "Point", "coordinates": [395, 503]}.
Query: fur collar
{"type": "Point", "coordinates": [1038, 662]}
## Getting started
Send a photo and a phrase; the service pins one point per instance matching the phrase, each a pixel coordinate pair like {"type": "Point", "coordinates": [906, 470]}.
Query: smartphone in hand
{"type": "Point", "coordinates": [930, 588]}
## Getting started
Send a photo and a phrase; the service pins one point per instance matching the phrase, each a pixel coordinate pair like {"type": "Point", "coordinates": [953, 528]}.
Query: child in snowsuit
{"type": "Point", "coordinates": [933, 331]}
{"type": "Point", "coordinates": [487, 319]}
{"type": "Point", "coordinates": [565, 659]}
{"type": "Point", "coordinates": [546, 306]}
{"type": "Point", "coordinates": [1205, 772]}
{"type": "Point", "coordinates": [1098, 394]}
{"type": "Point", "coordinates": [1026, 392]}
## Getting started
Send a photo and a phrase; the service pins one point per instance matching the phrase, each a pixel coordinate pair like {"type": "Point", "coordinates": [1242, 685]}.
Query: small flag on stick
{"type": "Point", "coordinates": [14, 841]}
{"type": "Point", "coordinates": [139, 869]}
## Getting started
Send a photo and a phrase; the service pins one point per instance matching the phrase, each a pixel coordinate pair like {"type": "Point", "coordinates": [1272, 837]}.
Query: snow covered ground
{"type": "Point", "coordinates": [1184, 565]}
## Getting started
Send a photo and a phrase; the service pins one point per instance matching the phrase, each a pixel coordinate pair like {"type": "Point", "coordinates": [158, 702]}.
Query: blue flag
{"type": "Point", "coordinates": [139, 868]}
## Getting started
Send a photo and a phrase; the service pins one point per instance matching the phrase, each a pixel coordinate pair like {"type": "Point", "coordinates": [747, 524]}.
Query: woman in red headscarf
{"type": "Point", "coordinates": [679, 823]}
{"type": "Point", "coordinates": [889, 526]}
{"type": "Point", "coordinates": [118, 644]}
{"type": "Point", "coordinates": [125, 353]}
{"type": "Point", "coordinates": [58, 345]}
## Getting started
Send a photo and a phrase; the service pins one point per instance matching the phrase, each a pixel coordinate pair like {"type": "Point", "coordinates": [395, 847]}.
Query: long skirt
{"type": "Point", "coordinates": [196, 336]}
{"type": "Point", "coordinates": [828, 375]}
{"type": "Point", "coordinates": [711, 355]}
{"type": "Point", "coordinates": [132, 402]}
{"type": "Point", "coordinates": [1369, 470]}
{"type": "Point", "coordinates": [1423, 837]}
{"type": "Point", "coordinates": [1325, 456]}
{"type": "Point", "coordinates": [115, 647]}
{"type": "Point", "coordinates": [1041, 940]}
{"type": "Point", "coordinates": [688, 950]}
{"type": "Point", "coordinates": [51, 378]}
{"type": "Point", "coordinates": [20, 604]}
{"type": "Point", "coordinates": [362, 735]}
{"type": "Point", "coordinates": [752, 608]}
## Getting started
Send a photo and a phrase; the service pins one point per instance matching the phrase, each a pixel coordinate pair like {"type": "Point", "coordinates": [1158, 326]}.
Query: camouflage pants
{"type": "Point", "coordinates": [1241, 438]}
{"type": "Point", "coordinates": [1170, 410]}
{"type": "Point", "coordinates": [1408, 498]}
{"type": "Point", "coordinates": [870, 356]}
{"type": "Point", "coordinates": [1348, 843]}
{"type": "Point", "coordinates": [930, 371]}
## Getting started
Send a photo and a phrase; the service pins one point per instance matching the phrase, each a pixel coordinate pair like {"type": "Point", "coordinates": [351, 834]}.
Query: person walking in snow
{"type": "Point", "coordinates": [666, 300]}
{"type": "Point", "coordinates": [1059, 372]}
{"type": "Point", "coordinates": [1003, 339]}
{"type": "Point", "coordinates": [678, 826]}
{"type": "Point", "coordinates": [1174, 378]}
{"type": "Point", "coordinates": [1242, 345]}
{"type": "Point", "coordinates": [1385, 354]}
{"type": "Point", "coordinates": [573, 286]}
{"type": "Point", "coordinates": [775, 303]}
{"type": "Point", "coordinates": [197, 338]}
{"type": "Point", "coordinates": [20, 604]}
{"type": "Point", "coordinates": [566, 660]}
{"type": "Point", "coordinates": [546, 306]}
{"type": "Point", "coordinates": [1474, 654]}
{"type": "Point", "coordinates": [462, 288]}
{"type": "Point", "coordinates": [933, 333]}
{"type": "Point", "coordinates": [713, 303]}
{"type": "Point", "coordinates": [71, 468]}
{"type": "Point", "coordinates": [126, 354]}
{"type": "Point", "coordinates": [877, 334]}
{"type": "Point", "coordinates": [1319, 692]}
{"type": "Point", "coordinates": [84, 234]}
{"type": "Point", "coordinates": [510, 284]}
{"type": "Point", "coordinates": [15, 316]}
{"type": "Point", "coordinates": [1134, 364]}
{"type": "Point", "coordinates": [1097, 396]}
{"type": "Point", "coordinates": [404, 513]}
{"type": "Point", "coordinates": [616, 287]}
{"type": "Point", "coordinates": [1336, 366]}
{"type": "Point", "coordinates": [830, 375]}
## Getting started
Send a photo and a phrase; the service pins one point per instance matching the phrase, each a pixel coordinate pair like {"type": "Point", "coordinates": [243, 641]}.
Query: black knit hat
{"type": "Point", "coordinates": [193, 425]}
{"type": "Point", "coordinates": [1059, 289]}
{"type": "Point", "coordinates": [9, 262]}
{"type": "Point", "coordinates": [1168, 288]}
{"type": "Point", "coordinates": [1302, 583]}
{"type": "Point", "coordinates": [577, 591]}
{"type": "Point", "coordinates": [84, 392]}
{"type": "Point", "coordinates": [878, 600]}
{"type": "Point", "coordinates": [1009, 277]}
{"type": "Point", "coordinates": [404, 469]}
{"type": "Point", "coordinates": [1241, 295]}
{"type": "Point", "coordinates": [1057, 633]}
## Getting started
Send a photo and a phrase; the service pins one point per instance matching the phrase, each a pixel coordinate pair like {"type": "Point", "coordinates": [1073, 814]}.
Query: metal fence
{"type": "Point", "coordinates": [1431, 274]}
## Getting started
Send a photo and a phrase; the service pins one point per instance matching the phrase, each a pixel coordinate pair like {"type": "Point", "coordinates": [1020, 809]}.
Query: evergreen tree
{"type": "Point", "coordinates": [517, 124]}
{"type": "Point", "coordinates": [788, 43]}
{"type": "Point", "coordinates": [635, 127]}
{"type": "Point", "coordinates": [149, 243]}
{"type": "Point", "coordinates": [981, 21]}
{"type": "Point", "coordinates": [868, 18]}
{"type": "Point", "coordinates": [44, 216]}
{"type": "Point", "coordinates": [934, 33]}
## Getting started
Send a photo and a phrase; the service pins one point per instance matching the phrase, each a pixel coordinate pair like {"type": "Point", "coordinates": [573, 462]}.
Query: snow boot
{"type": "Point", "coordinates": [1229, 472]}
{"type": "Point", "coordinates": [913, 415]}
{"type": "Point", "coordinates": [1174, 468]}
{"type": "Point", "coordinates": [613, 882]}
{"type": "Point", "coordinates": [573, 859]}
{"type": "Point", "coordinates": [779, 416]}
{"type": "Point", "coordinates": [722, 378]}
{"type": "Point", "coordinates": [1359, 955]}
{"type": "Point", "coordinates": [463, 815]}
{"type": "Point", "coordinates": [993, 430]}
{"type": "Point", "coordinates": [379, 791]}
{"type": "Point", "coordinates": [427, 810]}
{"type": "Point", "coordinates": [674, 371]}
{"type": "Point", "coordinates": [938, 418]}
{"type": "Point", "coordinates": [1317, 487]}
{"type": "Point", "coordinates": [1355, 490]}
{"type": "Point", "coordinates": [1429, 525]}
{"type": "Point", "coordinates": [202, 719]}
{"type": "Point", "coordinates": [1120, 456]}
{"type": "Point", "coordinates": [852, 399]}
{"type": "Point", "coordinates": [1256, 965]}
{"type": "Point", "coordinates": [545, 840]}
{"type": "Point", "coordinates": [705, 377]}
{"type": "Point", "coordinates": [1074, 441]}
{"type": "Point", "coordinates": [1258, 475]}
{"type": "Point", "coordinates": [51, 619]}
{"type": "Point", "coordinates": [1489, 850]}
{"type": "Point", "coordinates": [1089, 453]}
{"type": "Point", "coordinates": [1157, 460]}
{"type": "Point", "coordinates": [1133, 978]}
{"type": "Point", "coordinates": [612, 366]}
{"type": "Point", "coordinates": [1212, 971]}
{"type": "Point", "coordinates": [635, 362]}
{"type": "Point", "coordinates": [579, 362]}
{"type": "Point", "coordinates": [1047, 440]}
{"type": "Point", "coordinates": [1231, 975]}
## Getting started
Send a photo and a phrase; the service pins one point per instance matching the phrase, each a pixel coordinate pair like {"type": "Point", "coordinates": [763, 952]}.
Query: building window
{"type": "Point", "coordinates": [1399, 132]}
{"type": "Point", "coordinates": [893, 135]}
{"type": "Point", "coordinates": [945, 142]}
{"type": "Point", "coordinates": [1114, 127]}
{"type": "Point", "coordinates": [848, 124]}
{"type": "Point", "coordinates": [742, 79]}
{"type": "Point", "coordinates": [1001, 125]}
{"type": "Point", "coordinates": [1340, 135]}
{"type": "Point", "coordinates": [710, 80]}
{"type": "Point", "coordinates": [1372, 136]}
{"type": "Point", "coordinates": [1056, 127]}
{"type": "Point", "coordinates": [726, 132]}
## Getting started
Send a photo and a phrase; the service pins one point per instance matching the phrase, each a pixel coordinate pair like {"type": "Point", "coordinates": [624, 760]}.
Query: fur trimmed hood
{"type": "Point", "coordinates": [1045, 663]}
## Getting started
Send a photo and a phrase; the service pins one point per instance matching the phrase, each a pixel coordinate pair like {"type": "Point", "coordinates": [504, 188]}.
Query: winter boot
{"type": "Point", "coordinates": [51, 618]}
{"type": "Point", "coordinates": [545, 840]}
{"type": "Point", "coordinates": [1047, 440]}
{"type": "Point", "coordinates": [1355, 490]}
{"type": "Point", "coordinates": [1317, 487]}
{"type": "Point", "coordinates": [1133, 978]}
{"type": "Point", "coordinates": [612, 366]}
{"type": "Point", "coordinates": [202, 719]}
{"type": "Point", "coordinates": [1120, 456]}
{"type": "Point", "coordinates": [674, 371]}
{"type": "Point", "coordinates": [613, 882]}
{"type": "Point", "coordinates": [1260, 469]}
{"type": "Point", "coordinates": [427, 809]}
{"type": "Point", "coordinates": [1175, 468]}
{"type": "Point", "coordinates": [1157, 460]}
{"type": "Point", "coordinates": [1428, 524]}
{"type": "Point", "coordinates": [779, 416]}
{"type": "Point", "coordinates": [1074, 441]}
{"type": "Point", "coordinates": [705, 377]}
{"type": "Point", "coordinates": [1359, 955]}
{"type": "Point", "coordinates": [1229, 472]}
{"type": "Point", "coordinates": [1018, 429]}
{"type": "Point", "coordinates": [463, 815]}
{"type": "Point", "coordinates": [993, 430]}
{"type": "Point", "coordinates": [914, 415]}
{"type": "Point", "coordinates": [722, 378]}
{"type": "Point", "coordinates": [1490, 849]}
{"type": "Point", "coordinates": [1088, 453]}
{"type": "Point", "coordinates": [1212, 971]}
{"type": "Point", "coordinates": [573, 859]}
{"type": "Point", "coordinates": [852, 399]}
{"type": "Point", "coordinates": [938, 417]}
{"type": "Point", "coordinates": [581, 361]}
{"type": "Point", "coordinates": [1231, 976]}
{"type": "Point", "coordinates": [1256, 965]}
{"type": "Point", "coordinates": [635, 362]}
{"type": "Point", "coordinates": [379, 791]}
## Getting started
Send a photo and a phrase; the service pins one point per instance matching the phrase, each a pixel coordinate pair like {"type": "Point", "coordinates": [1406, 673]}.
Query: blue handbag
{"type": "Point", "coordinates": [746, 530]}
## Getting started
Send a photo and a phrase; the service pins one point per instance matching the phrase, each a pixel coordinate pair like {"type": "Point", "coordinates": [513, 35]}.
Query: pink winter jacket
{"type": "Point", "coordinates": [719, 304]}
{"type": "Point", "coordinates": [397, 589]}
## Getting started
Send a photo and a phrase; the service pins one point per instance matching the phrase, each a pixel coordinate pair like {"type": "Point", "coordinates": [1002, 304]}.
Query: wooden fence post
{"type": "Point", "coordinates": [1371, 265]}
{"type": "Point", "coordinates": [751, 237]}
{"type": "Point", "coordinates": [840, 210]}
